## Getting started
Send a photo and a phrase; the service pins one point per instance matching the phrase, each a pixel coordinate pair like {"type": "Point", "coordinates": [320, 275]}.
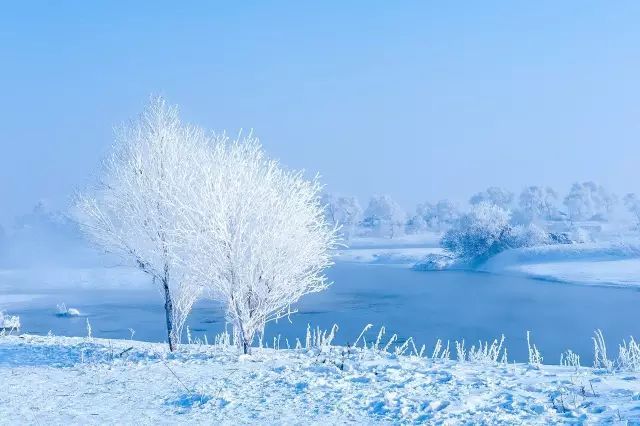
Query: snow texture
{"type": "Point", "coordinates": [59, 380]}
{"type": "Point", "coordinates": [596, 263]}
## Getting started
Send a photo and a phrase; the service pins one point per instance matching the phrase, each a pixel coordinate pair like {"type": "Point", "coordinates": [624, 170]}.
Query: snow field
{"type": "Point", "coordinates": [611, 263]}
{"type": "Point", "coordinates": [93, 381]}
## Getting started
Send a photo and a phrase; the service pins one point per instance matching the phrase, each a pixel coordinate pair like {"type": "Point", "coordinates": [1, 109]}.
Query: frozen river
{"type": "Point", "coordinates": [424, 305]}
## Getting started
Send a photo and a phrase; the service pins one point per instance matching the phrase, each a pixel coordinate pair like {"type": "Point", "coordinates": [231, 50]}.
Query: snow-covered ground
{"type": "Point", "coordinates": [605, 263]}
{"type": "Point", "coordinates": [385, 255]}
{"type": "Point", "coordinates": [426, 239]}
{"type": "Point", "coordinates": [401, 250]}
{"type": "Point", "coordinates": [612, 263]}
{"type": "Point", "coordinates": [58, 380]}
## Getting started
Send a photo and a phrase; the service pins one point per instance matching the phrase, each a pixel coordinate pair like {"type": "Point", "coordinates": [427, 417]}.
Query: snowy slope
{"type": "Point", "coordinates": [56, 380]}
{"type": "Point", "coordinates": [597, 263]}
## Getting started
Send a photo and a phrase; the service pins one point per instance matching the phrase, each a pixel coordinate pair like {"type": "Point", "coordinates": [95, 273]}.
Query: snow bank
{"type": "Point", "coordinates": [566, 253]}
{"type": "Point", "coordinates": [435, 262]}
{"type": "Point", "coordinates": [598, 263]}
{"type": "Point", "coordinates": [387, 256]}
{"type": "Point", "coordinates": [425, 239]}
{"type": "Point", "coordinates": [607, 263]}
{"type": "Point", "coordinates": [403, 250]}
{"type": "Point", "coordinates": [120, 382]}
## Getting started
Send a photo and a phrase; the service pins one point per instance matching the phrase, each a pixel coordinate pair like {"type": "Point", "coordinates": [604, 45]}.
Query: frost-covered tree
{"type": "Point", "coordinates": [589, 201]}
{"type": "Point", "coordinates": [259, 233]}
{"type": "Point", "coordinates": [494, 195]}
{"type": "Point", "coordinates": [485, 231]}
{"type": "Point", "coordinates": [632, 203]}
{"type": "Point", "coordinates": [537, 202]}
{"type": "Point", "coordinates": [384, 216]}
{"type": "Point", "coordinates": [138, 207]}
{"type": "Point", "coordinates": [480, 233]}
{"type": "Point", "coordinates": [440, 215]}
{"type": "Point", "coordinates": [343, 211]}
{"type": "Point", "coordinates": [526, 236]}
{"type": "Point", "coordinates": [416, 225]}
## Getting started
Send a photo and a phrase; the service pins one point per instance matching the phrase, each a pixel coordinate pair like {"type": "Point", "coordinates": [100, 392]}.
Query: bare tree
{"type": "Point", "coordinates": [138, 207]}
{"type": "Point", "coordinates": [259, 235]}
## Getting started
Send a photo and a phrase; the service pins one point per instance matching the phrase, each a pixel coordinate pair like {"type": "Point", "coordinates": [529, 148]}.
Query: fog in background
{"type": "Point", "coordinates": [420, 100]}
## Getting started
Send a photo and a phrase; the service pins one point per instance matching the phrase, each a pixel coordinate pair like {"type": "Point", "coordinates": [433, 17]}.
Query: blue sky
{"type": "Point", "coordinates": [421, 100]}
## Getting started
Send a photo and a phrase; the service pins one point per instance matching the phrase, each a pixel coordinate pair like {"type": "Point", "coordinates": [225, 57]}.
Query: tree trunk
{"type": "Point", "coordinates": [246, 348]}
{"type": "Point", "coordinates": [168, 309]}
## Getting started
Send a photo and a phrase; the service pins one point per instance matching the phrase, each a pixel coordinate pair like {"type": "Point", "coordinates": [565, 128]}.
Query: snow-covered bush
{"type": "Point", "coordinates": [384, 216]}
{"type": "Point", "coordinates": [629, 355]}
{"type": "Point", "coordinates": [535, 357]}
{"type": "Point", "coordinates": [486, 230]}
{"type": "Point", "coordinates": [480, 233]}
{"type": "Point", "coordinates": [258, 235]}
{"type": "Point", "coordinates": [589, 201]}
{"type": "Point", "coordinates": [137, 208]}
{"type": "Point", "coordinates": [493, 195]}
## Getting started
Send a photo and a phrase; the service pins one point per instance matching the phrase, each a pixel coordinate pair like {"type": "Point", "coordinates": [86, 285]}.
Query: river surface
{"type": "Point", "coordinates": [424, 305]}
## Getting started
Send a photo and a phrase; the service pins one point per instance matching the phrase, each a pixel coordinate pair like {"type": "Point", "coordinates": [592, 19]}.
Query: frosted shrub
{"type": "Point", "coordinates": [484, 353]}
{"type": "Point", "coordinates": [600, 358]}
{"type": "Point", "coordinates": [439, 351]}
{"type": "Point", "coordinates": [485, 231]}
{"type": "Point", "coordinates": [488, 353]}
{"type": "Point", "coordinates": [570, 359]}
{"type": "Point", "coordinates": [89, 333]}
{"type": "Point", "coordinates": [317, 338]}
{"type": "Point", "coordinates": [479, 233]}
{"type": "Point", "coordinates": [629, 356]}
{"type": "Point", "coordinates": [535, 358]}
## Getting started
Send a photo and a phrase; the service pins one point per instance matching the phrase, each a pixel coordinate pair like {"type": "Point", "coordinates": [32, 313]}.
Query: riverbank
{"type": "Point", "coordinates": [608, 263]}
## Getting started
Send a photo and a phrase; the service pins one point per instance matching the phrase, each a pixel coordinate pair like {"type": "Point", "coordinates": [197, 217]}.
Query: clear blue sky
{"type": "Point", "coordinates": [421, 100]}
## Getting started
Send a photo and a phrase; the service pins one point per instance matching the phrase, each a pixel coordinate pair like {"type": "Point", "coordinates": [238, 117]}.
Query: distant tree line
{"type": "Point", "coordinates": [384, 217]}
